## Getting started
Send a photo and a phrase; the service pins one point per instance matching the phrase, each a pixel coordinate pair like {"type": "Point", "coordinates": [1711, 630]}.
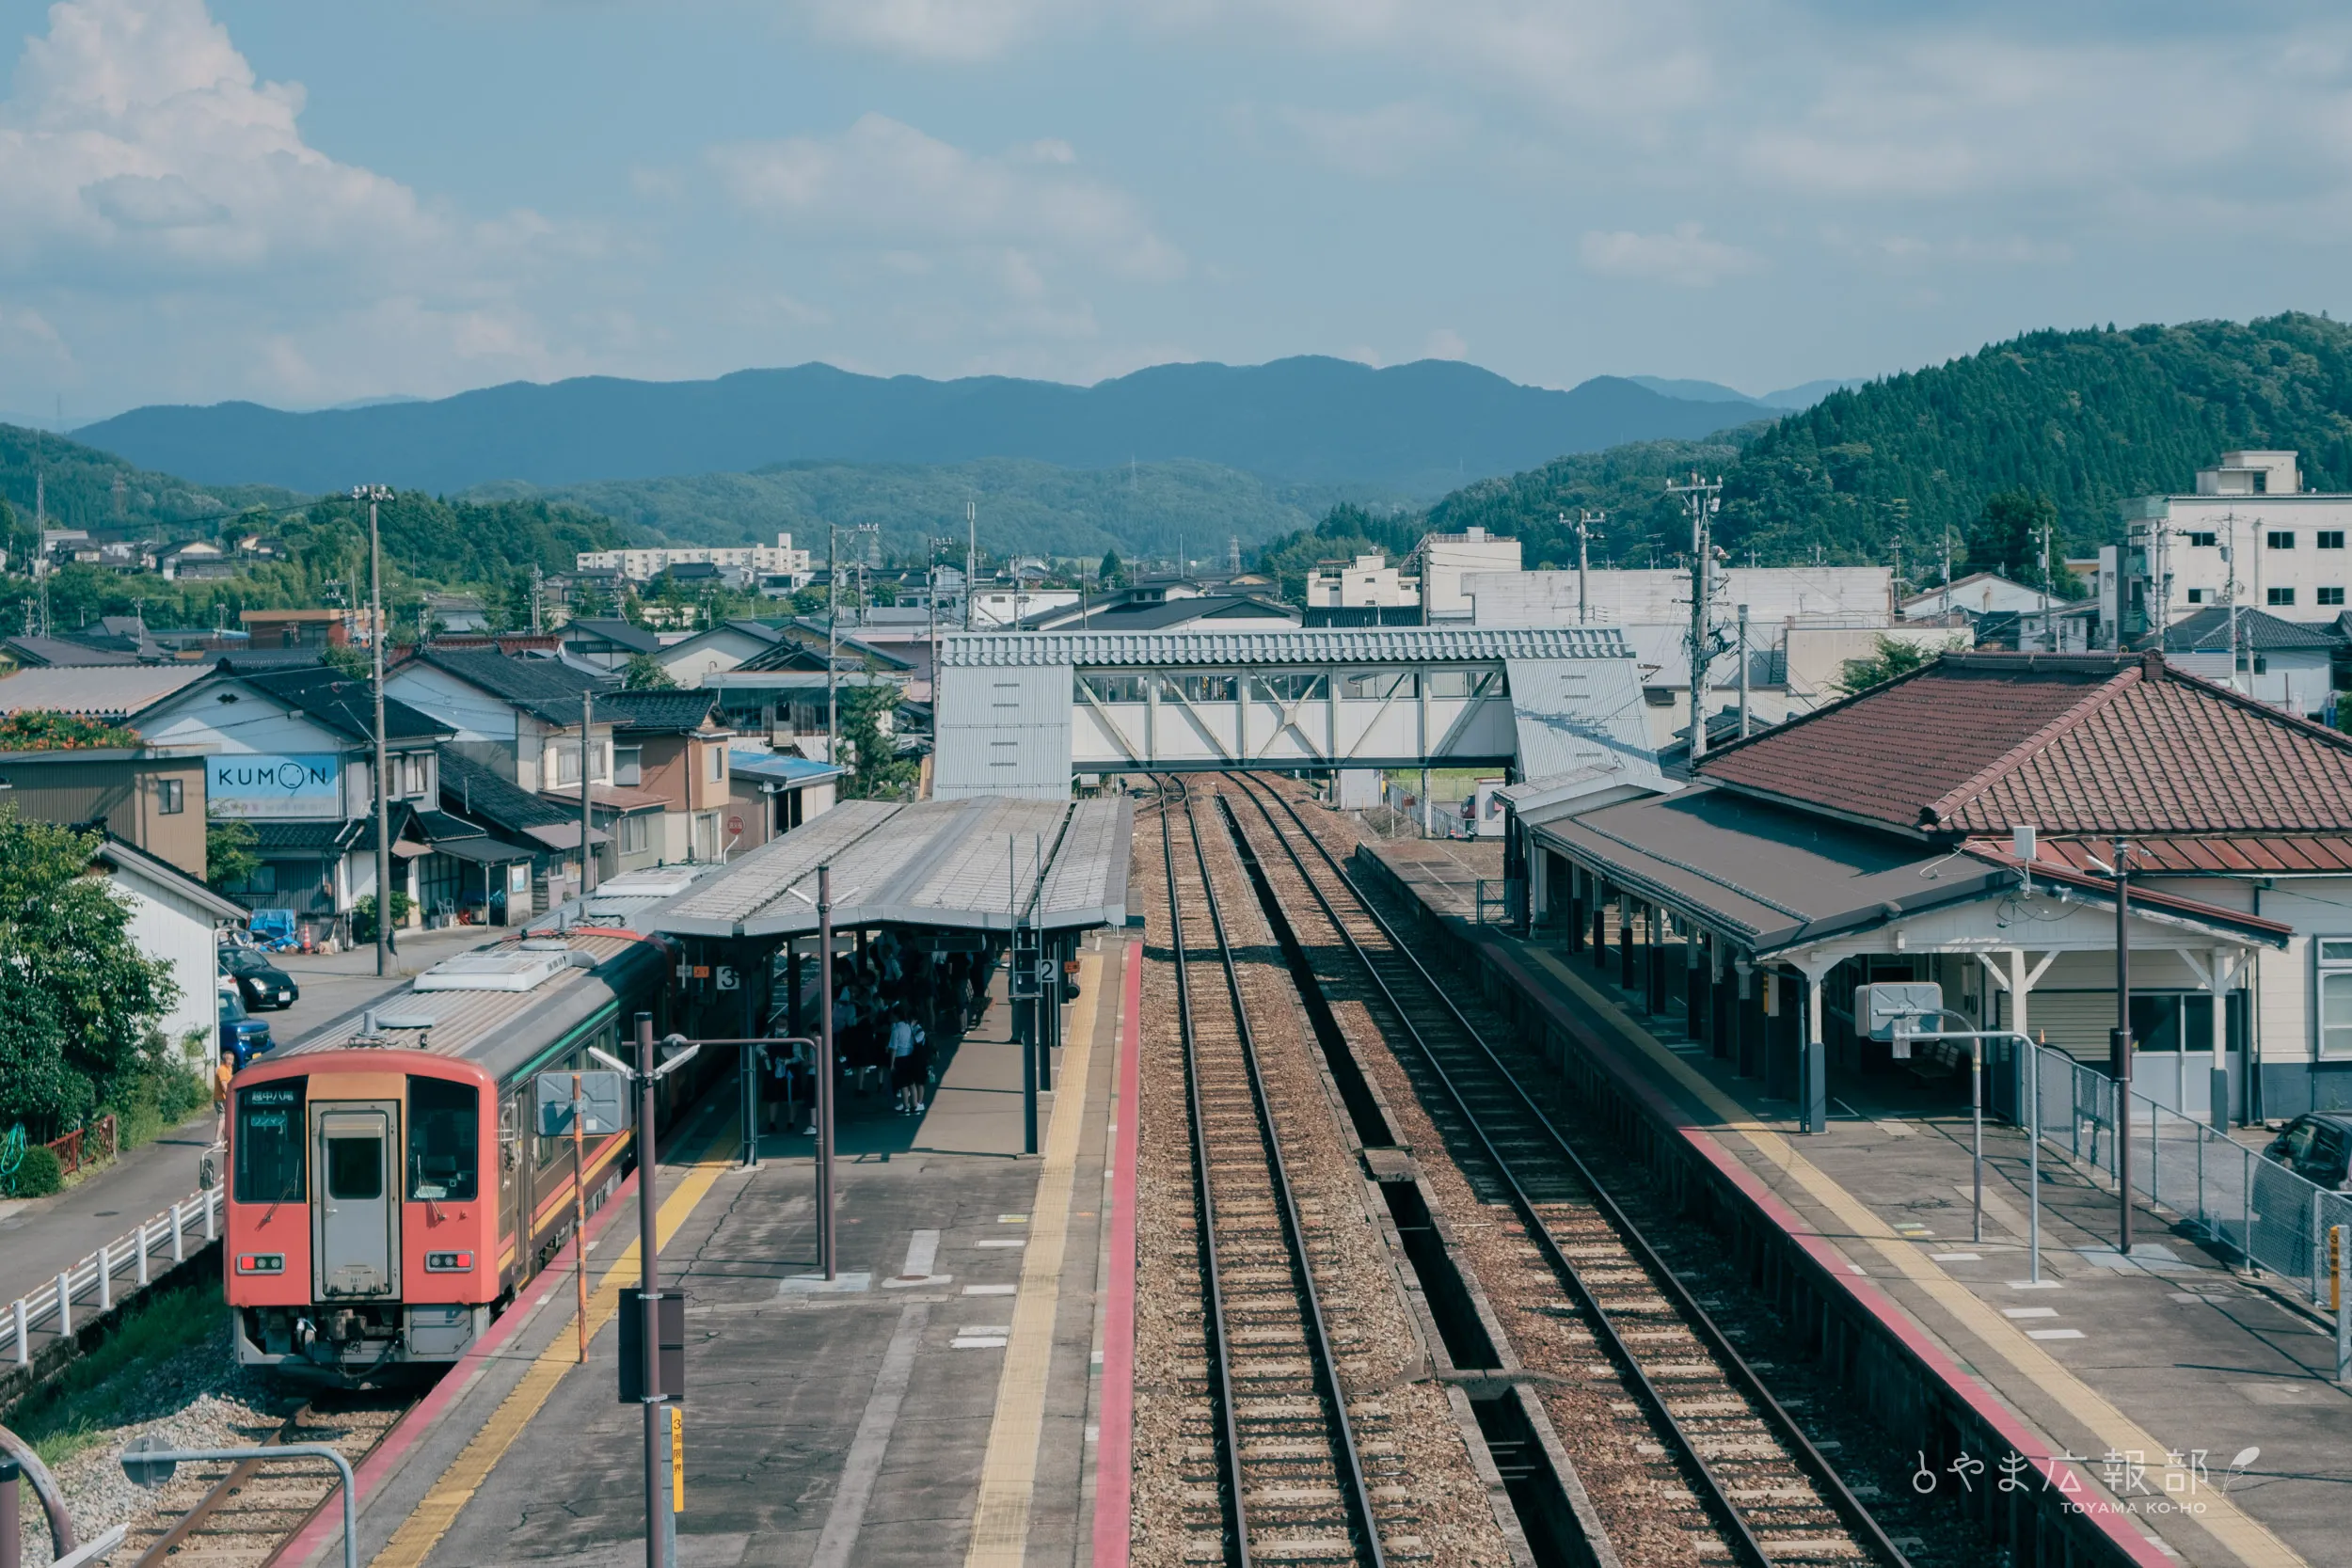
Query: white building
{"type": "Point", "coordinates": [761, 561]}
{"type": "Point", "coordinates": [1368, 582]}
{"type": "Point", "coordinates": [1444, 562]}
{"type": "Point", "coordinates": [2249, 511]}
{"type": "Point", "coordinates": [1978, 593]}
{"type": "Point", "coordinates": [1634, 596]}
{"type": "Point", "coordinates": [174, 918]}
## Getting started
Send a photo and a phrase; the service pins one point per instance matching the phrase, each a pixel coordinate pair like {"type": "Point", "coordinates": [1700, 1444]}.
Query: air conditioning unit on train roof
{"type": "Point", "coordinates": [526, 967]}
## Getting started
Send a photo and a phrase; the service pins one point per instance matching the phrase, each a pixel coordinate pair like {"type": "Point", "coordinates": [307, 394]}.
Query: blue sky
{"type": "Point", "coordinates": [306, 203]}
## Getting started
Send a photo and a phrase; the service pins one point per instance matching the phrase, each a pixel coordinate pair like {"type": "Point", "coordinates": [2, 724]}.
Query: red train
{"type": "Point", "coordinates": [389, 1191]}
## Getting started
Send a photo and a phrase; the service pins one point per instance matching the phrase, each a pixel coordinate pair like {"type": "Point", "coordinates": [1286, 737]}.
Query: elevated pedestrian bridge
{"type": "Point", "coordinates": [1020, 713]}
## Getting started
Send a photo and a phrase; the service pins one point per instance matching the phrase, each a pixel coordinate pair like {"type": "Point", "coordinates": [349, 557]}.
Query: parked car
{"type": "Point", "coordinates": [2317, 1146]}
{"type": "Point", "coordinates": [260, 984]}
{"type": "Point", "coordinates": [240, 1032]}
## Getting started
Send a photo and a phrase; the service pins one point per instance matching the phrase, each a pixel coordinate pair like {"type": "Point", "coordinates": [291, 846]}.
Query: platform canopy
{"type": "Point", "coordinates": [964, 864]}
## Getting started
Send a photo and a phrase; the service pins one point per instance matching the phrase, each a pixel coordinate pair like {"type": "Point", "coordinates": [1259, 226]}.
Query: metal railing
{"type": "Point", "coordinates": [93, 1283]}
{"type": "Point", "coordinates": [2239, 1201]}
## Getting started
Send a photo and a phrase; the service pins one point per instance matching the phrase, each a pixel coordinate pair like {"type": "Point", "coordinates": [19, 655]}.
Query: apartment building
{"type": "Point", "coordinates": [1367, 582]}
{"type": "Point", "coordinates": [759, 561]}
{"type": "Point", "coordinates": [2250, 534]}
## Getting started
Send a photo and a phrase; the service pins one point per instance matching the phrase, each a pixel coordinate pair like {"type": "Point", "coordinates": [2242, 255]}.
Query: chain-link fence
{"type": "Point", "coordinates": [2239, 1201]}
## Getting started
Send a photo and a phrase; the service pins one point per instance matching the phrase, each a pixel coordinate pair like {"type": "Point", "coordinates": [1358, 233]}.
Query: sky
{"type": "Point", "coordinates": [307, 204]}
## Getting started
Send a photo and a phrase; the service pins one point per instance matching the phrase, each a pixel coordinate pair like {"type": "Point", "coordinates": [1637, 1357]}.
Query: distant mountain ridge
{"type": "Point", "coordinates": [1420, 429]}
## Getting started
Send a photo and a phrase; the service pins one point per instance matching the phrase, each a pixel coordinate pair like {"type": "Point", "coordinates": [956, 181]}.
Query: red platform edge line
{"type": "Point", "coordinates": [1114, 1449]}
{"type": "Point", "coordinates": [2113, 1522]}
{"type": "Point", "coordinates": [386, 1456]}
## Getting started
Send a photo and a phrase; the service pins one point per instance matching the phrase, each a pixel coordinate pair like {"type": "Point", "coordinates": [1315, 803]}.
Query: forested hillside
{"type": "Point", "coordinates": [83, 487]}
{"type": "Point", "coordinates": [2084, 419]}
{"type": "Point", "coordinates": [1147, 510]}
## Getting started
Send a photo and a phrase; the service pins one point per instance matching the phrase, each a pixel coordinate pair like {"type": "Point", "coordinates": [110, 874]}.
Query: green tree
{"type": "Point", "coordinates": [643, 672]}
{"type": "Point", "coordinates": [2007, 536]}
{"type": "Point", "coordinates": [877, 771]}
{"type": "Point", "coordinates": [230, 853]}
{"type": "Point", "coordinates": [1113, 572]}
{"type": "Point", "coordinates": [353, 663]}
{"type": "Point", "coordinates": [81, 1003]}
{"type": "Point", "coordinates": [1892, 657]}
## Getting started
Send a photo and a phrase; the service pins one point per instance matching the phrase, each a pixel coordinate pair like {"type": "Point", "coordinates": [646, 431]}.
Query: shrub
{"type": "Point", "coordinates": [40, 1174]}
{"type": "Point", "coordinates": [363, 915]}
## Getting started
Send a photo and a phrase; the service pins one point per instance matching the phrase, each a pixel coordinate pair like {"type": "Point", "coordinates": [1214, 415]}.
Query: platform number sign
{"type": "Point", "coordinates": [603, 1103]}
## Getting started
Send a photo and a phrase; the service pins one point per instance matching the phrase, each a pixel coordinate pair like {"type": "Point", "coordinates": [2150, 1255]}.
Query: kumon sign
{"type": "Point", "coordinates": [262, 786]}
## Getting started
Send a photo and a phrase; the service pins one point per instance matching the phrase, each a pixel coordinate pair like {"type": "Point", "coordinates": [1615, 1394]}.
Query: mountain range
{"type": "Point", "coordinates": [1418, 429]}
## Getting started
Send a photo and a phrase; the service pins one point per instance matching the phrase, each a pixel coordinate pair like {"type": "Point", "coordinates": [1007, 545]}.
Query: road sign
{"type": "Point", "coordinates": [735, 827]}
{"type": "Point", "coordinates": [603, 1103]}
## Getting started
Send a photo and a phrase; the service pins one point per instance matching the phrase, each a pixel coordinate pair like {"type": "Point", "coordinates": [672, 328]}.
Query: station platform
{"type": "Point", "coordinates": [938, 1403]}
{"type": "Point", "coordinates": [2197, 1401]}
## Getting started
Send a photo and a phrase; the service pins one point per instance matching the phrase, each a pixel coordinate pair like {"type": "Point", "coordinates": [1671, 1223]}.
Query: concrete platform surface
{"type": "Point", "coordinates": [2170, 1377]}
{"type": "Point", "coordinates": [932, 1405]}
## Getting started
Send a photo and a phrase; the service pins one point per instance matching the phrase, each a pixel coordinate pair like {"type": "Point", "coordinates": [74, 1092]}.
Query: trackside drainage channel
{"type": "Point", "coordinates": [1537, 1495]}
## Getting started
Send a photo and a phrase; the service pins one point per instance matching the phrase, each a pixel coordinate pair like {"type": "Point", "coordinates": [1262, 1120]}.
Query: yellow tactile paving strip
{"type": "Point", "coordinates": [413, 1542]}
{"type": "Point", "coordinates": [2250, 1541]}
{"type": "Point", "coordinates": [1000, 1519]}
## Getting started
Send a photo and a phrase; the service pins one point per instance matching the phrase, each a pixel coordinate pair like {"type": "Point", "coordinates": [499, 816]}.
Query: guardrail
{"type": "Point", "coordinates": [2239, 1200]}
{"type": "Point", "coordinates": [92, 1282]}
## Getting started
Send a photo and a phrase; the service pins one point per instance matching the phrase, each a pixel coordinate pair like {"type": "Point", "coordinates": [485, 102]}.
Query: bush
{"type": "Point", "coordinates": [40, 1174]}
{"type": "Point", "coordinates": [363, 915]}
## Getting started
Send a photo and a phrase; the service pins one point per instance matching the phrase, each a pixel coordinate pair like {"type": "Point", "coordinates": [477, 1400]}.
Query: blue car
{"type": "Point", "coordinates": [240, 1032]}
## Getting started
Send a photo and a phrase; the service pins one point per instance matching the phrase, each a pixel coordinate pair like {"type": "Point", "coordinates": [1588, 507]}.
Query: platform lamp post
{"type": "Point", "coordinates": [646, 1077]}
{"type": "Point", "coordinates": [2120, 1049]}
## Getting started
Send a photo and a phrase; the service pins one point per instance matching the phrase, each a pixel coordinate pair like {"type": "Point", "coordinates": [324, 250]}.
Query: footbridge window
{"type": "Point", "coordinates": [1292, 686]}
{"type": "Point", "coordinates": [1107, 686]}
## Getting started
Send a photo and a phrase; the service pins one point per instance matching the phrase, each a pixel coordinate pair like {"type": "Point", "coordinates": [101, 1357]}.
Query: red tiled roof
{"type": "Point", "coordinates": [2286, 854]}
{"type": "Point", "coordinates": [1975, 743]}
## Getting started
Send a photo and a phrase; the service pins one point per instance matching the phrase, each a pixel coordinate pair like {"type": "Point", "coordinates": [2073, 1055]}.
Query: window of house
{"type": "Point", "coordinates": [2333, 956]}
{"type": "Point", "coordinates": [717, 764]}
{"type": "Point", "coordinates": [2329, 595]}
{"type": "Point", "coordinates": [171, 797]}
{"type": "Point", "coordinates": [628, 764]}
{"type": "Point", "coordinates": [413, 772]}
{"type": "Point", "coordinates": [567, 764]}
{"type": "Point", "coordinates": [632, 835]}
{"type": "Point", "coordinates": [2204, 541]}
{"type": "Point", "coordinates": [2280, 596]}
{"type": "Point", "coordinates": [2330, 539]}
{"type": "Point", "coordinates": [2196, 595]}
{"type": "Point", "coordinates": [2280, 539]}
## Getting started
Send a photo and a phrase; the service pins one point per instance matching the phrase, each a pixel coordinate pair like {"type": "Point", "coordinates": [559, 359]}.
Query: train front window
{"type": "Point", "coordinates": [269, 1142]}
{"type": "Point", "coordinates": [444, 1139]}
{"type": "Point", "coordinates": [354, 1167]}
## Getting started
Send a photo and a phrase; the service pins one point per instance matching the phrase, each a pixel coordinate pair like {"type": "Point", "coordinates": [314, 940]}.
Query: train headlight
{"type": "Point", "coordinates": [261, 1263]}
{"type": "Point", "coordinates": [449, 1262]}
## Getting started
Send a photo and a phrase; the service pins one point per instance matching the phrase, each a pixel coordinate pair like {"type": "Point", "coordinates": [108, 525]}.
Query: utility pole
{"type": "Point", "coordinates": [375, 494]}
{"type": "Point", "coordinates": [832, 648]}
{"type": "Point", "coordinates": [587, 818]}
{"type": "Point", "coordinates": [2119, 1049]}
{"type": "Point", "coordinates": [2049, 633]}
{"type": "Point", "coordinates": [1947, 570]}
{"type": "Point", "coordinates": [1704, 499]}
{"type": "Point", "coordinates": [2229, 562]}
{"type": "Point", "coordinates": [1585, 522]}
{"type": "Point", "coordinates": [1743, 672]}
{"type": "Point", "coordinates": [971, 555]}
{"type": "Point", "coordinates": [535, 575]}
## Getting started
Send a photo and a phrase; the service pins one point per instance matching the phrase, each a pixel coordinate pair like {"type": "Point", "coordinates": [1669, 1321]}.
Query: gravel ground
{"type": "Point", "coordinates": [1429, 1499]}
{"type": "Point", "coordinates": [200, 1397]}
{"type": "Point", "coordinates": [1547, 1331]}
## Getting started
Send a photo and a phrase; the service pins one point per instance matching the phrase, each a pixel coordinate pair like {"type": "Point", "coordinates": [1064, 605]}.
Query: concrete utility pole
{"type": "Point", "coordinates": [1704, 500]}
{"type": "Point", "coordinates": [375, 494]}
{"type": "Point", "coordinates": [587, 816]}
{"type": "Point", "coordinates": [1585, 522]}
{"type": "Point", "coordinates": [2229, 562]}
{"type": "Point", "coordinates": [1743, 672]}
{"type": "Point", "coordinates": [971, 555]}
{"type": "Point", "coordinates": [2049, 633]}
{"type": "Point", "coordinates": [2119, 1049]}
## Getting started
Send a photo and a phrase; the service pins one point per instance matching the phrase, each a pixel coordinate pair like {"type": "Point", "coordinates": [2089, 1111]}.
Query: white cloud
{"type": "Point", "coordinates": [955, 31]}
{"type": "Point", "coordinates": [1685, 257]}
{"type": "Point", "coordinates": [1391, 140]}
{"type": "Point", "coordinates": [883, 182]}
{"type": "Point", "coordinates": [158, 194]}
{"type": "Point", "coordinates": [1445, 343]}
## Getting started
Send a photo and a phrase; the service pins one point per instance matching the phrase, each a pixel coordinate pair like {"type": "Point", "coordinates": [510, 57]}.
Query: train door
{"type": "Point", "coordinates": [356, 1241]}
{"type": "Point", "coordinates": [514, 1220]}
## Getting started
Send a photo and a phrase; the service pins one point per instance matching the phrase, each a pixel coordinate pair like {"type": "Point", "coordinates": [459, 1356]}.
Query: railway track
{"type": "Point", "coordinates": [1290, 1477]}
{"type": "Point", "coordinates": [1690, 1457]}
{"type": "Point", "coordinates": [248, 1510]}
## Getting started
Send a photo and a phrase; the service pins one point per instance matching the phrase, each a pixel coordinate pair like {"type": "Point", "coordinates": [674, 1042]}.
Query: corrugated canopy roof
{"type": "Point", "coordinates": [933, 863]}
{"type": "Point", "coordinates": [1322, 645]}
